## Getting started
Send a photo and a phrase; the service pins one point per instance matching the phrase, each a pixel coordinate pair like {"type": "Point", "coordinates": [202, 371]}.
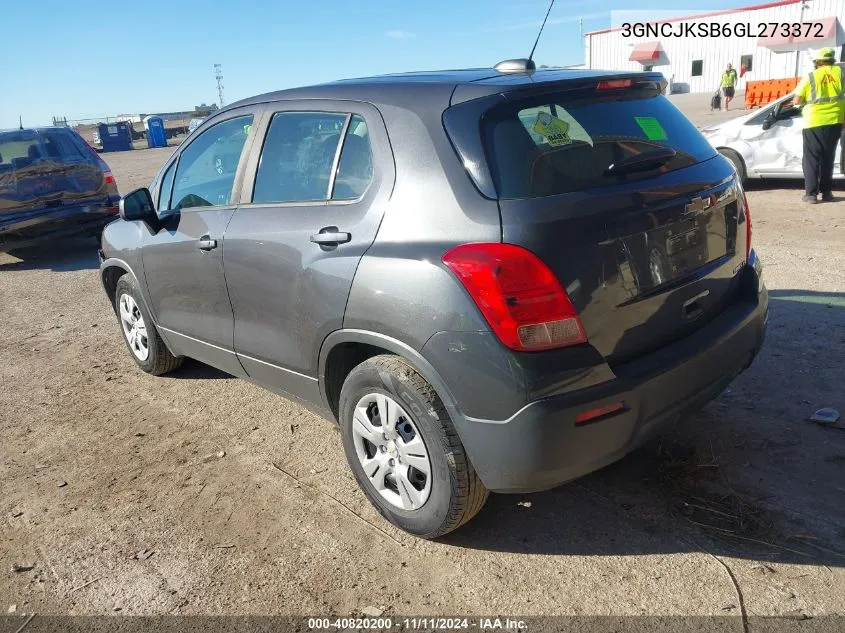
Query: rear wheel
{"type": "Point", "coordinates": [737, 162]}
{"type": "Point", "coordinates": [404, 451]}
{"type": "Point", "coordinates": [139, 333]}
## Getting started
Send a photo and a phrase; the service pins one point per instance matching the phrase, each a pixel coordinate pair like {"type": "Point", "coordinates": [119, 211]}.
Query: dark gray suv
{"type": "Point", "coordinates": [490, 280]}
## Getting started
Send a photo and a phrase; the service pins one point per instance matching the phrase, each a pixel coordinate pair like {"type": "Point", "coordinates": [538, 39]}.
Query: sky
{"type": "Point", "coordinates": [92, 58]}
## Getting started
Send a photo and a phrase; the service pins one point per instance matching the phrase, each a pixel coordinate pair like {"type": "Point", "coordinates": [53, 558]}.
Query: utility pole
{"type": "Point", "coordinates": [218, 75]}
{"type": "Point", "coordinates": [581, 39]}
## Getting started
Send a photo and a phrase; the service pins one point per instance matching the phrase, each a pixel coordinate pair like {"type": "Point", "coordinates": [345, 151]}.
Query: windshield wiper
{"type": "Point", "coordinates": [641, 162]}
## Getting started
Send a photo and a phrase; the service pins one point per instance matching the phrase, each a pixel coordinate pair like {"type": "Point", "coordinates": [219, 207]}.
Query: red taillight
{"type": "Point", "coordinates": [599, 412]}
{"type": "Point", "coordinates": [612, 84]}
{"type": "Point", "coordinates": [519, 296]}
{"type": "Point", "coordinates": [108, 178]}
{"type": "Point", "coordinates": [747, 228]}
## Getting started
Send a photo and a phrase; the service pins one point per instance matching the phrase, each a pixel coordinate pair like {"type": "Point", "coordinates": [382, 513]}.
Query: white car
{"type": "Point", "coordinates": [195, 123]}
{"type": "Point", "coordinates": [766, 143]}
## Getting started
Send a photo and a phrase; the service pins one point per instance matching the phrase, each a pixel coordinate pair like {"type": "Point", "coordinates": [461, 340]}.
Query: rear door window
{"type": "Point", "coordinates": [58, 145]}
{"type": "Point", "coordinates": [301, 150]}
{"type": "Point", "coordinates": [355, 169]}
{"type": "Point", "coordinates": [297, 157]}
{"type": "Point", "coordinates": [558, 143]}
{"type": "Point", "coordinates": [19, 149]}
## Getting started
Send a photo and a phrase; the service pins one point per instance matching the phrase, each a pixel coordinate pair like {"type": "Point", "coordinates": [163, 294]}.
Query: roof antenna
{"type": "Point", "coordinates": [524, 65]}
{"type": "Point", "coordinates": [542, 26]}
{"type": "Point", "coordinates": [20, 121]}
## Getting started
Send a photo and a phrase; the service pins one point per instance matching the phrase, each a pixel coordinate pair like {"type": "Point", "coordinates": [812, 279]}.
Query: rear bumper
{"type": "Point", "coordinates": [541, 445]}
{"type": "Point", "coordinates": [33, 228]}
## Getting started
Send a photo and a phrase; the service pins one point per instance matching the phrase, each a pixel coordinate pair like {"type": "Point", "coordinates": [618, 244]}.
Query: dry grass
{"type": "Point", "coordinates": [708, 500]}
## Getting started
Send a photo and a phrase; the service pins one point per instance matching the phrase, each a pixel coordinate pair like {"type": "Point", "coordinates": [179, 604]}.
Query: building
{"type": "Point", "coordinates": [692, 51]}
{"type": "Point", "coordinates": [201, 111]}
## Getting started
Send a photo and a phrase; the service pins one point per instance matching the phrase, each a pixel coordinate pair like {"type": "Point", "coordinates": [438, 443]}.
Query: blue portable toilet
{"type": "Point", "coordinates": [115, 137]}
{"type": "Point", "coordinates": [156, 136]}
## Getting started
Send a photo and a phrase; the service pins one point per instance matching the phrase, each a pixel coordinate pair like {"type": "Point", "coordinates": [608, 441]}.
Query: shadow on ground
{"type": "Point", "coordinates": [765, 184]}
{"type": "Point", "coordinates": [195, 370]}
{"type": "Point", "coordinates": [748, 476]}
{"type": "Point", "coordinates": [792, 184]}
{"type": "Point", "coordinates": [61, 255]}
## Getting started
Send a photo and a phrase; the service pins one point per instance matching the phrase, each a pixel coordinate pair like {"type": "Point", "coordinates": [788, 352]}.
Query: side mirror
{"type": "Point", "coordinates": [769, 121]}
{"type": "Point", "coordinates": [138, 205]}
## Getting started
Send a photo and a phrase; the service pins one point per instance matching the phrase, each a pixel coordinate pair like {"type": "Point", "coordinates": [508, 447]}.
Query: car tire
{"type": "Point", "coordinates": [737, 162]}
{"type": "Point", "coordinates": [146, 348]}
{"type": "Point", "coordinates": [451, 493]}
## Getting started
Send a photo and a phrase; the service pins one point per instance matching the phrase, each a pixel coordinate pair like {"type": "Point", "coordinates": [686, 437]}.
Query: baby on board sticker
{"type": "Point", "coordinates": [560, 130]}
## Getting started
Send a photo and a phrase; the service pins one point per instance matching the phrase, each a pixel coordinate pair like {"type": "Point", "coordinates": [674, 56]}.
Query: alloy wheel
{"type": "Point", "coordinates": [134, 328]}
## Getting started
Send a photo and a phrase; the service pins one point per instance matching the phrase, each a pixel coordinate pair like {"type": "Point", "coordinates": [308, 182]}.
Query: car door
{"type": "Point", "coordinates": [183, 261]}
{"type": "Point", "coordinates": [312, 201]}
{"type": "Point", "coordinates": [778, 150]}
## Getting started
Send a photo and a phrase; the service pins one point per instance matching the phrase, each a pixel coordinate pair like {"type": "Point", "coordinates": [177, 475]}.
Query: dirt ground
{"type": "Point", "coordinates": [141, 495]}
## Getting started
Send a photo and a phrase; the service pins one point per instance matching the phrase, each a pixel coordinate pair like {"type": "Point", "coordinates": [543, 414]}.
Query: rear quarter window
{"type": "Point", "coordinates": [558, 143]}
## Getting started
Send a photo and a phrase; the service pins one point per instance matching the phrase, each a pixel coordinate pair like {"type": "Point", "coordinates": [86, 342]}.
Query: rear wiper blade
{"type": "Point", "coordinates": [641, 162]}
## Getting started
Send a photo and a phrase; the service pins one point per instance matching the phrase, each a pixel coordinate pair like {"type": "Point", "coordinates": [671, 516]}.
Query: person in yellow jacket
{"type": "Point", "coordinates": [822, 93]}
{"type": "Point", "coordinates": [728, 85]}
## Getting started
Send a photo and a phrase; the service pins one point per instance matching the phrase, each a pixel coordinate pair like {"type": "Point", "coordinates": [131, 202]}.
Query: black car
{"type": "Point", "coordinates": [490, 279]}
{"type": "Point", "coordinates": [52, 184]}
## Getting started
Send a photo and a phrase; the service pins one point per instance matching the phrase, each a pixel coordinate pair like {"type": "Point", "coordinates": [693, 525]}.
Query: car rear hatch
{"type": "Point", "coordinates": [42, 171]}
{"type": "Point", "coordinates": [623, 199]}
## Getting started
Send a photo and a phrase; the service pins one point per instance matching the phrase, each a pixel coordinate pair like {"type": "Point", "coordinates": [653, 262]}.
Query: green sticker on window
{"type": "Point", "coordinates": [652, 128]}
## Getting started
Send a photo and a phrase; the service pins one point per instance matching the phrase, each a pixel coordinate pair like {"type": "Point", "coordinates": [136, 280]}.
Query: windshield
{"type": "Point", "coordinates": [561, 142]}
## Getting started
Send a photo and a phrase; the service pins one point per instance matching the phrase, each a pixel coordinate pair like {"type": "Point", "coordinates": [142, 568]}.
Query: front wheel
{"type": "Point", "coordinates": [404, 451]}
{"type": "Point", "coordinates": [139, 332]}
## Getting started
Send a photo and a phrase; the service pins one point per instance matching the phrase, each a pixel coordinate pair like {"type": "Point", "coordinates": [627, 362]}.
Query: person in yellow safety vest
{"type": "Point", "coordinates": [823, 94]}
{"type": "Point", "coordinates": [728, 84]}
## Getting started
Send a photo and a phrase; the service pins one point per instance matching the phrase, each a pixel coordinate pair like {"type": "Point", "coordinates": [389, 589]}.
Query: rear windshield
{"type": "Point", "coordinates": [22, 148]}
{"type": "Point", "coordinates": [562, 142]}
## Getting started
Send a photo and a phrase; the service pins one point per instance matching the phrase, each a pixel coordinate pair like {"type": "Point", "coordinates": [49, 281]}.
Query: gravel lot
{"type": "Point", "coordinates": [113, 487]}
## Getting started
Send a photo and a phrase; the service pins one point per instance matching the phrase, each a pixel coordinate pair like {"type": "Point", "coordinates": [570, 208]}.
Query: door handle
{"type": "Point", "coordinates": [205, 243]}
{"type": "Point", "coordinates": [331, 236]}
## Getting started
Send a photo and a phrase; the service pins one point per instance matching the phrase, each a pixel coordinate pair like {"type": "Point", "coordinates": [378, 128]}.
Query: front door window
{"type": "Point", "coordinates": [205, 174]}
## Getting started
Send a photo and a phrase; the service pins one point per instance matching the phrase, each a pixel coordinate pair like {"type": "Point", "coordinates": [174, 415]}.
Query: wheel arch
{"type": "Point", "coordinates": [342, 350]}
{"type": "Point", "coordinates": [740, 154]}
{"type": "Point", "coordinates": [111, 270]}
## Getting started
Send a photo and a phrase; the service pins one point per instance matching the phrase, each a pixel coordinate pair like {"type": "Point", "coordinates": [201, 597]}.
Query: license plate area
{"type": "Point", "coordinates": [687, 245]}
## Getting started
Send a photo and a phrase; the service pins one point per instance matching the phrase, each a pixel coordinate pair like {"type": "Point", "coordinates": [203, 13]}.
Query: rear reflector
{"type": "Point", "coordinates": [599, 412]}
{"type": "Point", "coordinates": [612, 84]}
{"type": "Point", "coordinates": [112, 210]}
{"type": "Point", "coordinates": [518, 295]}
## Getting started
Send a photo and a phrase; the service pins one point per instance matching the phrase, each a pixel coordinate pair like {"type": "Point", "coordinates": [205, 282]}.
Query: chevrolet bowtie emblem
{"type": "Point", "coordinates": [697, 205]}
